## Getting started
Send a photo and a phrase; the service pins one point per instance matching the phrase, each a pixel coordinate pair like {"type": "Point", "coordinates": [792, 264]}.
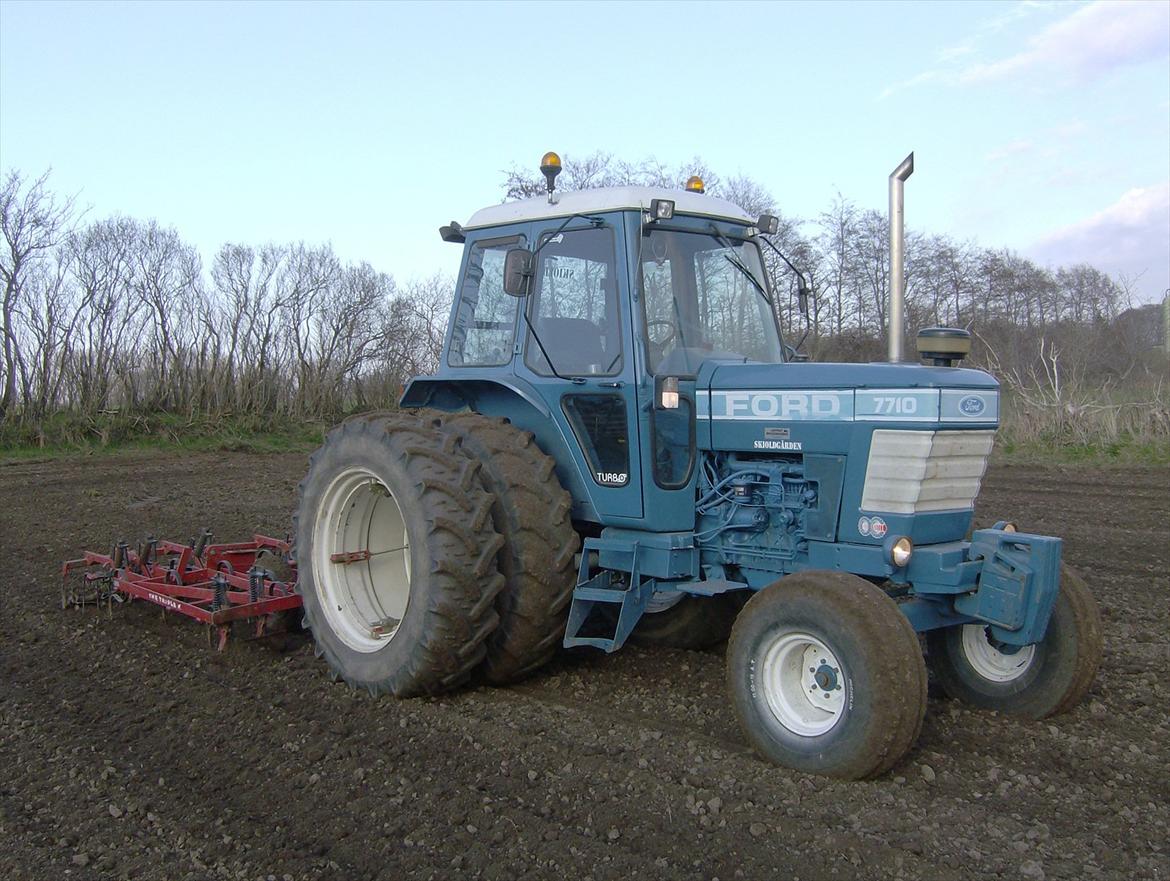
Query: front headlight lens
{"type": "Point", "coordinates": [901, 551]}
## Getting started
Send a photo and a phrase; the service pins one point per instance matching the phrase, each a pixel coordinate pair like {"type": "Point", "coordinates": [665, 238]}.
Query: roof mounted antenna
{"type": "Point", "coordinates": [550, 167]}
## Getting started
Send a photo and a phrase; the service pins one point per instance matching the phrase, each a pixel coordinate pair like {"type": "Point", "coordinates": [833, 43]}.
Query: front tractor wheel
{"type": "Point", "coordinates": [827, 676]}
{"type": "Point", "coordinates": [396, 556]}
{"type": "Point", "coordinates": [1033, 681]}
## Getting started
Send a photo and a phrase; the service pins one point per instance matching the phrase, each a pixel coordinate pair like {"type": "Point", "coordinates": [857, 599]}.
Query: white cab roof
{"type": "Point", "coordinates": [604, 199]}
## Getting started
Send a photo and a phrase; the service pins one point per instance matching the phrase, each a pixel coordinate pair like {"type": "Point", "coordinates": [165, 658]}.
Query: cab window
{"type": "Point", "coordinates": [702, 299]}
{"type": "Point", "coordinates": [574, 306]}
{"type": "Point", "coordinates": [485, 322]}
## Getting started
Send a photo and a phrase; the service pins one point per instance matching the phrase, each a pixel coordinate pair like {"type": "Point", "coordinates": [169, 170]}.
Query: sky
{"type": "Point", "coordinates": [1038, 126]}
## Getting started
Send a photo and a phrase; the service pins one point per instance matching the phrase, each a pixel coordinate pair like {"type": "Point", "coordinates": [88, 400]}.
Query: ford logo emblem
{"type": "Point", "coordinates": [972, 405]}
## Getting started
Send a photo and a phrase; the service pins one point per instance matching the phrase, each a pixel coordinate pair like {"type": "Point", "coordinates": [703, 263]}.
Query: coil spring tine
{"type": "Point", "coordinates": [255, 584]}
{"type": "Point", "coordinates": [220, 600]}
{"type": "Point", "coordinates": [202, 542]}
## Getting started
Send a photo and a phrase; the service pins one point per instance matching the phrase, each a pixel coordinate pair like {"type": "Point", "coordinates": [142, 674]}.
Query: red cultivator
{"type": "Point", "coordinates": [215, 584]}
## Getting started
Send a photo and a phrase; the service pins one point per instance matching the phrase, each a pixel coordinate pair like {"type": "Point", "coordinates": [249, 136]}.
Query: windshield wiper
{"type": "Point", "coordinates": [738, 264]}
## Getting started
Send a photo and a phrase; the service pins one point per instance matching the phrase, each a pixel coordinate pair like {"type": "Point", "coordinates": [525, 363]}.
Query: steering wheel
{"type": "Point", "coordinates": [662, 344]}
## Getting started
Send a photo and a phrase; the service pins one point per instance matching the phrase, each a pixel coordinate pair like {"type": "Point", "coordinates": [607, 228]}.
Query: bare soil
{"type": "Point", "coordinates": [130, 749]}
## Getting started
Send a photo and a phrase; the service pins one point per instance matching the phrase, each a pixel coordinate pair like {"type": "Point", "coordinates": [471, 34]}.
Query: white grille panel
{"type": "Point", "coordinates": [914, 471]}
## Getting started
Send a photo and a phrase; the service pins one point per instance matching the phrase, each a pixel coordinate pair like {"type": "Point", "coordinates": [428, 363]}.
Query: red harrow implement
{"type": "Point", "coordinates": [216, 584]}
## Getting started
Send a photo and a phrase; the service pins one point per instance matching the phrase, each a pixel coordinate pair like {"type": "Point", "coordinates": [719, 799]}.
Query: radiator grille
{"type": "Point", "coordinates": [914, 471]}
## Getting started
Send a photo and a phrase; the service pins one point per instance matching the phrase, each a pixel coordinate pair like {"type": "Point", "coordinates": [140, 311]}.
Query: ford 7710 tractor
{"type": "Point", "coordinates": [619, 445]}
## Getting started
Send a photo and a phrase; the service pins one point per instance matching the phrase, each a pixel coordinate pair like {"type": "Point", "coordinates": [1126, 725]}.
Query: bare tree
{"type": "Point", "coordinates": [33, 222]}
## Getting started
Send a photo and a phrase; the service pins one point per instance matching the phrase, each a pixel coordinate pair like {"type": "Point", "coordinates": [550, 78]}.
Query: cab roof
{"type": "Point", "coordinates": [603, 199]}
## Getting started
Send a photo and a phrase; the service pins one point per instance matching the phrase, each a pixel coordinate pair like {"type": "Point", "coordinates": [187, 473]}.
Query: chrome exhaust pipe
{"type": "Point", "coordinates": [897, 317]}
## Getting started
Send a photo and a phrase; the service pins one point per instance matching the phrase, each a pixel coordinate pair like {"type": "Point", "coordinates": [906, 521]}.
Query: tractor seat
{"type": "Point", "coordinates": [574, 344]}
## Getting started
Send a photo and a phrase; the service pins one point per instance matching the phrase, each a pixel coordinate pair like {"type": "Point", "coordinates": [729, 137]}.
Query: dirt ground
{"type": "Point", "coordinates": [129, 749]}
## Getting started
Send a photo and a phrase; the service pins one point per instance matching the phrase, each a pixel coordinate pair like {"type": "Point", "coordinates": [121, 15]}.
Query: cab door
{"type": "Point", "coordinates": [664, 297]}
{"type": "Point", "coordinates": [580, 358]}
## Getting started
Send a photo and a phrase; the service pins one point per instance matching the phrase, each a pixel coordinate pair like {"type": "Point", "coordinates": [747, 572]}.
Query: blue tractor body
{"type": "Point", "coordinates": [765, 465]}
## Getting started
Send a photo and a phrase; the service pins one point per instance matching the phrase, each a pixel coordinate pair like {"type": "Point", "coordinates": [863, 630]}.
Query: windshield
{"type": "Point", "coordinates": [700, 301]}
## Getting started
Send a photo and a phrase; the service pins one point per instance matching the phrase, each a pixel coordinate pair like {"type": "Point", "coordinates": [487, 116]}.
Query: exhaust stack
{"type": "Point", "coordinates": [897, 317]}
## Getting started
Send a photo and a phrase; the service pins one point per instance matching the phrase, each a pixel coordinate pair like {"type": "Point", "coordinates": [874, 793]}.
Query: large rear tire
{"type": "Point", "coordinates": [1035, 681]}
{"type": "Point", "coordinates": [396, 557]}
{"type": "Point", "coordinates": [532, 511]}
{"type": "Point", "coordinates": [826, 676]}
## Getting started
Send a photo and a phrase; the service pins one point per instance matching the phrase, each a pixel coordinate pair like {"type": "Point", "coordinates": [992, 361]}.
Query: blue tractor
{"type": "Point", "coordinates": [619, 445]}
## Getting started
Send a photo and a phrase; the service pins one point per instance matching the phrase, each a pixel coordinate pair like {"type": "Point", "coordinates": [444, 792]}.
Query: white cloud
{"type": "Point", "coordinates": [1092, 41]}
{"type": "Point", "coordinates": [1130, 237]}
{"type": "Point", "coordinates": [916, 80]}
{"type": "Point", "coordinates": [949, 60]}
{"type": "Point", "coordinates": [1007, 151]}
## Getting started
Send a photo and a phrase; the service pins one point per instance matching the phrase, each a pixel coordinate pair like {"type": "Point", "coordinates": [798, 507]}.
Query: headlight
{"type": "Point", "coordinates": [901, 551]}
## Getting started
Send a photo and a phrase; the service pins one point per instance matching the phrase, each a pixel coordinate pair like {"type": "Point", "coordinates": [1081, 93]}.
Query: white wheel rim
{"type": "Point", "coordinates": [988, 661]}
{"type": "Point", "coordinates": [363, 600]}
{"type": "Point", "coordinates": [803, 683]}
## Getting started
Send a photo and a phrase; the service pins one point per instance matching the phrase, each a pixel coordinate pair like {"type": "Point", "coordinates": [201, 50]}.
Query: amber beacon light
{"type": "Point", "coordinates": [550, 167]}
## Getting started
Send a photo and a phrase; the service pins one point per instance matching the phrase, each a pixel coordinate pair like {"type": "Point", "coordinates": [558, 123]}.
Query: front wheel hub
{"type": "Point", "coordinates": [803, 683]}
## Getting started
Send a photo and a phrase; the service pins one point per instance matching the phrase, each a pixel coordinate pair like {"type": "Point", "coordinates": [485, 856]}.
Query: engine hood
{"type": "Point", "coordinates": [913, 394]}
{"type": "Point", "coordinates": [739, 375]}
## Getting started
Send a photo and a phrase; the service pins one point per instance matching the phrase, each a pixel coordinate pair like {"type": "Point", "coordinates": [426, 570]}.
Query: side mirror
{"type": "Point", "coordinates": [802, 295]}
{"type": "Point", "coordinates": [519, 267]}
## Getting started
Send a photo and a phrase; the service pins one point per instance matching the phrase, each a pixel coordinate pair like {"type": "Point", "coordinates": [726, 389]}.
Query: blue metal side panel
{"type": "Point", "coordinates": [829, 473]}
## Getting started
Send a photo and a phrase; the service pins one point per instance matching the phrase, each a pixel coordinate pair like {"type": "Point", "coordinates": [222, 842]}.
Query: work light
{"type": "Point", "coordinates": [661, 209]}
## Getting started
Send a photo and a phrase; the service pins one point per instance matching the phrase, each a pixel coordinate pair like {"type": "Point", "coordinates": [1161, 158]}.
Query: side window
{"type": "Point", "coordinates": [574, 306]}
{"type": "Point", "coordinates": [599, 422]}
{"type": "Point", "coordinates": [485, 322]}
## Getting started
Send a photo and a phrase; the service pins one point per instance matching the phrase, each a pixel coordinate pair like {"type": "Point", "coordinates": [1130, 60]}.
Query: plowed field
{"type": "Point", "coordinates": [129, 749]}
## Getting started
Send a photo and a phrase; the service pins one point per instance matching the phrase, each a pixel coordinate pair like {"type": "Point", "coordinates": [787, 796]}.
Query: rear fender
{"type": "Point", "coordinates": [519, 403]}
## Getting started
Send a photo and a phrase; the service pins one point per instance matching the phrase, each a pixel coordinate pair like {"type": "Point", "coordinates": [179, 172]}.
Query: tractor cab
{"type": "Point", "coordinates": [588, 320]}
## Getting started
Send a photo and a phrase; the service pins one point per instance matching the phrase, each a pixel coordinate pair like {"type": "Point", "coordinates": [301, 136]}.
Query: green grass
{"type": "Point", "coordinates": [68, 434]}
{"type": "Point", "coordinates": [1056, 452]}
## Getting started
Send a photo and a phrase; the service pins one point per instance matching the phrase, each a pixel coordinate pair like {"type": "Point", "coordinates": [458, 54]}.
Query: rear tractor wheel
{"type": "Point", "coordinates": [678, 621]}
{"type": "Point", "coordinates": [396, 557]}
{"type": "Point", "coordinates": [532, 511]}
{"type": "Point", "coordinates": [827, 676]}
{"type": "Point", "coordinates": [1032, 681]}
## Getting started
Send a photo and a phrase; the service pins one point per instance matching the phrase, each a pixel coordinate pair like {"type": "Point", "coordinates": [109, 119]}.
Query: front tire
{"type": "Point", "coordinates": [827, 676]}
{"type": "Point", "coordinates": [1034, 681]}
{"type": "Point", "coordinates": [396, 557]}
